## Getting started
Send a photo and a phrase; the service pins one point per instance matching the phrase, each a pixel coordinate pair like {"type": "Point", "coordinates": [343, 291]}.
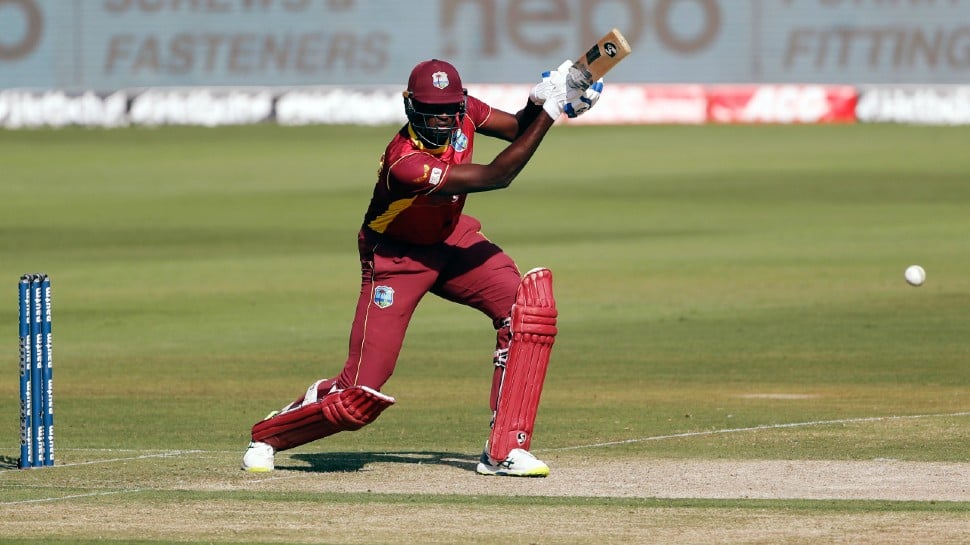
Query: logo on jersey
{"type": "Point", "coordinates": [383, 296]}
{"type": "Point", "coordinates": [439, 80]}
{"type": "Point", "coordinates": [459, 141]}
{"type": "Point", "coordinates": [424, 174]}
{"type": "Point", "coordinates": [435, 178]}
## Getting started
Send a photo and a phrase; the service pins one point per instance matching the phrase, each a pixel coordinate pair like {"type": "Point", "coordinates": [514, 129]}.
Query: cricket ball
{"type": "Point", "coordinates": [915, 275]}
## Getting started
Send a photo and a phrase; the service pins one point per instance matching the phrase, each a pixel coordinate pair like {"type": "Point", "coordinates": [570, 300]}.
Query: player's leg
{"type": "Point", "coordinates": [533, 329]}
{"type": "Point", "coordinates": [485, 278]}
{"type": "Point", "coordinates": [481, 275]}
{"type": "Point", "coordinates": [259, 456]}
{"type": "Point", "coordinates": [392, 284]}
{"type": "Point", "coordinates": [394, 280]}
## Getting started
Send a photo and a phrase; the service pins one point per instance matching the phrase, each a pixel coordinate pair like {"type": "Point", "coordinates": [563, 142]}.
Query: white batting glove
{"type": "Point", "coordinates": [550, 93]}
{"type": "Point", "coordinates": [551, 81]}
{"type": "Point", "coordinates": [578, 102]}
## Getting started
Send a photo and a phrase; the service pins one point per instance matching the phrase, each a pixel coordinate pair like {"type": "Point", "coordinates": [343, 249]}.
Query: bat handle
{"type": "Point", "coordinates": [579, 77]}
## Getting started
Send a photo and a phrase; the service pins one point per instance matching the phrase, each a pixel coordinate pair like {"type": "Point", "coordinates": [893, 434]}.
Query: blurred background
{"type": "Point", "coordinates": [215, 62]}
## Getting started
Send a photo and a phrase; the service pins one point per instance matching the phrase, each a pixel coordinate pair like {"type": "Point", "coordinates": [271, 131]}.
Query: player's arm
{"type": "Point", "coordinates": [525, 130]}
{"type": "Point", "coordinates": [577, 101]}
{"type": "Point", "coordinates": [508, 127]}
{"type": "Point", "coordinates": [472, 178]}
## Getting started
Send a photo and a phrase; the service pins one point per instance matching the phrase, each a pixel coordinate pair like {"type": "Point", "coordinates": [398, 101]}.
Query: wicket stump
{"type": "Point", "coordinates": [36, 372]}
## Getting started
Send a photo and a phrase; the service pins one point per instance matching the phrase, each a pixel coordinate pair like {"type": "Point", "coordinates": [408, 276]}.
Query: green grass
{"type": "Point", "coordinates": [708, 278]}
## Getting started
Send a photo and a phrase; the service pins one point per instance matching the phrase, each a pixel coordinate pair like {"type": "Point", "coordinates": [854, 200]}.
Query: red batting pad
{"type": "Point", "coordinates": [343, 410]}
{"type": "Point", "coordinates": [533, 334]}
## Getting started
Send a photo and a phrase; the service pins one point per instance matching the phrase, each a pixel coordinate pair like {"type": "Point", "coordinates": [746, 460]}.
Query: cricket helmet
{"type": "Point", "coordinates": [434, 101]}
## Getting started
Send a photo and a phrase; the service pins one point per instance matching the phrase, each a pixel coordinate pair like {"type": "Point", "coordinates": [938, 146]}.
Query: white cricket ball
{"type": "Point", "coordinates": [915, 275]}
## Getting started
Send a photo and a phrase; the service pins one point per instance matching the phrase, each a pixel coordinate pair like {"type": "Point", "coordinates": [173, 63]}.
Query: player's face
{"type": "Point", "coordinates": [436, 122]}
{"type": "Point", "coordinates": [442, 116]}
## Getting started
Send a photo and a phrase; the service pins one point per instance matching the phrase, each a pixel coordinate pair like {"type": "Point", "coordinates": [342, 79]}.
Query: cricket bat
{"type": "Point", "coordinates": [606, 53]}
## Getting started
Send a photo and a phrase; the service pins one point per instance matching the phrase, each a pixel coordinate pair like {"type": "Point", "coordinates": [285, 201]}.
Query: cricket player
{"type": "Point", "coordinates": [414, 240]}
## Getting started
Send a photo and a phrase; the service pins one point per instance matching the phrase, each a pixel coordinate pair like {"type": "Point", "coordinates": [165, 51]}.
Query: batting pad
{"type": "Point", "coordinates": [343, 410]}
{"type": "Point", "coordinates": [534, 330]}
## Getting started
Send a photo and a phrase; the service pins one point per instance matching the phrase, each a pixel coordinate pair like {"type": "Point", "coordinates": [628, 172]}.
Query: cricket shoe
{"type": "Point", "coordinates": [519, 463]}
{"type": "Point", "coordinates": [259, 456]}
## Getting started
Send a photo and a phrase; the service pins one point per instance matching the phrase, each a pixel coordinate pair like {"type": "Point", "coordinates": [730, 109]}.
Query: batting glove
{"type": "Point", "coordinates": [550, 93]}
{"type": "Point", "coordinates": [578, 102]}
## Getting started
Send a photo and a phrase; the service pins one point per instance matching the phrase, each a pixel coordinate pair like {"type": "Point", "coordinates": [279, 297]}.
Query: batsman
{"type": "Point", "coordinates": [414, 240]}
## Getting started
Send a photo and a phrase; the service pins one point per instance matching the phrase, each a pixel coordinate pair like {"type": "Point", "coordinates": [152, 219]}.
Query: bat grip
{"type": "Point", "coordinates": [579, 78]}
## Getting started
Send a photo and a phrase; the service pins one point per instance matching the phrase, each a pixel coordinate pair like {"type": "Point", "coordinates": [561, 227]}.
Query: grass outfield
{"type": "Point", "coordinates": [727, 294]}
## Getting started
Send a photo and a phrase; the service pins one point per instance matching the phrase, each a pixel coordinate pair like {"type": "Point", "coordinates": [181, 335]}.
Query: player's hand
{"type": "Point", "coordinates": [550, 93]}
{"type": "Point", "coordinates": [553, 82]}
{"type": "Point", "coordinates": [578, 102]}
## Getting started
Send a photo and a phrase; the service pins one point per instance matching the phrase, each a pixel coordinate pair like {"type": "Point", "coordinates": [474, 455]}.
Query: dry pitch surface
{"type": "Point", "coordinates": [115, 495]}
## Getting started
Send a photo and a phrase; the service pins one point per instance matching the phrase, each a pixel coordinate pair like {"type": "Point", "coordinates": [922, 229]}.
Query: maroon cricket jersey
{"type": "Point", "coordinates": [405, 205]}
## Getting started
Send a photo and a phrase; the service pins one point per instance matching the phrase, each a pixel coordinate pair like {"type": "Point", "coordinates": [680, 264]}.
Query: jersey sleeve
{"type": "Point", "coordinates": [477, 111]}
{"type": "Point", "coordinates": [416, 174]}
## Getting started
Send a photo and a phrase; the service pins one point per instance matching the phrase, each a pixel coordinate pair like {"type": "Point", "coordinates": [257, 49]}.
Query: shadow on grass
{"type": "Point", "coordinates": [9, 462]}
{"type": "Point", "coordinates": [346, 462]}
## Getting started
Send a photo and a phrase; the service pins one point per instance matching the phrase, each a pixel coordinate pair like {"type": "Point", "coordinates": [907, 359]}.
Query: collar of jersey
{"type": "Point", "coordinates": [420, 145]}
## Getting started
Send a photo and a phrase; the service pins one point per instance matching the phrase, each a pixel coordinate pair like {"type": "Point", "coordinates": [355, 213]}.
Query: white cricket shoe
{"type": "Point", "coordinates": [519, 463]}
{"type": "Point", "coordinates": [258, 458]}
